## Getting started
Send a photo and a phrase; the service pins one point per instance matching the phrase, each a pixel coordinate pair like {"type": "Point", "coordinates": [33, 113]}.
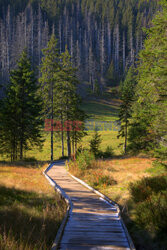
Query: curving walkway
{"type": "Point", "coordinates": [93, 223]}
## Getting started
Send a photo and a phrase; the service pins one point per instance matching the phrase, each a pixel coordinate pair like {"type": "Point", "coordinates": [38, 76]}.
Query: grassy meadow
{"type": "Point", "coordinates": [30, 210]}
{"type": "Point", "coordinates": [97, 110]}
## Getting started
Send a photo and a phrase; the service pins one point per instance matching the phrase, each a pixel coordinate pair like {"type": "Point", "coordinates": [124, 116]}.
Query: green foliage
{"type": "Point", "coordinates": [152, 214]}
{"type": "Point", "coordinates": [158, 168]}
{"type": "Point", "coordinates": [143, 189]}
{"type": "Point", "coordinates": [127, 98]}
{"type": "Point", "coordinates": [149, 110]}
{"type": "Point", "coordinates": [84, 159]}
{"type": "Point", "coordinates": [112, 78]}
{"type": "Point", "coordinates": [97, 90]}
{"type": "Point", "coordinates": [150, 196]}
{"type": "Point", "coordinates": [102, 180]}
{"type": "Point", "coordinates": [95, 143]}
{"type": "Point", "coordinates": [20, 111]}
{"type": "Point", "coordinates": [67, 101]}
{"type": "Point", "coordinates": [108, 153]}
{"type": "Point", "coordinates": [49, 68]}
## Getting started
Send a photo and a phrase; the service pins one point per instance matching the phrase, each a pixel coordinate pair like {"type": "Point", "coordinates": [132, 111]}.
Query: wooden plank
{"type": "Point", "coordinates": [94, 229]}
{"type": "Point", "coordinates": [93, 224]}
{"type": "Point", "coordinates": [90, 247]}
{"type": "Point", "coordinates": [96, 234]}
{"type": "Point", "coordinates": [100, 242]}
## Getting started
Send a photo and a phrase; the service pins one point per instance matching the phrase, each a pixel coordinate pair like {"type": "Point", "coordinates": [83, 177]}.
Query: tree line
{"type": "Point", "coordinates": [143, 112]}
{"type": "Point", "coordinates": [26, 104]}
{"type": "Point", "coordinates": [103, 37]}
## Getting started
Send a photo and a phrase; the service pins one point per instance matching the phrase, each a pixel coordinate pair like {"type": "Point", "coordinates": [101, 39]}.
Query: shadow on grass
{"type": "Point", "coordinates": [26, 164]}
{"type": "Point", "coordinates": [28, 219]}
{"type": "Point", "coordinates": [100, 110]}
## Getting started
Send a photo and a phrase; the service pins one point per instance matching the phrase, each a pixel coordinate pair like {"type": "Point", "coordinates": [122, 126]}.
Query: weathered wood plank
{"type": "Point", "coordinates": [100, 242]}
{"type": "Point", "coordinates": [93, 224]}
{"type": "Point", "coordinates": [90, 247]}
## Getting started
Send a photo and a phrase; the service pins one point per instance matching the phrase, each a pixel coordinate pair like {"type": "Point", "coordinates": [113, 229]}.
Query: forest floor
{"type": "Point", "coordinates": [30, 210]}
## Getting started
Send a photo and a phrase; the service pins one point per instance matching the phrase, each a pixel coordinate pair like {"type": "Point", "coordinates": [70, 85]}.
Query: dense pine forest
{"type": "Point", "coordinates": [103, 37]}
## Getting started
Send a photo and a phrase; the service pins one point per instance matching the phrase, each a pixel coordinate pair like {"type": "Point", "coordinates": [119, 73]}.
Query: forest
{"type": "Point", "coordinates": [104, 38]}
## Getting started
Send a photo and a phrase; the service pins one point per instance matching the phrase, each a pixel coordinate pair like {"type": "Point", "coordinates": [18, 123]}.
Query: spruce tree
{"type": "Point", "coordinates": [67, 102]}
{"type": "Point", "coordinates": [127, 97]}
{"type": "Point", "coordinates": [95, 143]}
{"type": "Point", "coordinates": [20, 113]}
{"type": "Point", "coordinates": [49, 68]}
{"type": "Point", "coordinates": [149, 110]}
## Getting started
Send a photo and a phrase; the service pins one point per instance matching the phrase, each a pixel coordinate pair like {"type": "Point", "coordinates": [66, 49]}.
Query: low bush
{"type": "Point", "coordinates": [95, 144]}
{"type": "Point", "coordinates": [150, 197]}
{"type": "Point", "coordinates": [84, 159]}
{"type": "Point", "coordinates": [143, 189]}
{"type": "Point", "coordinates": [108, 153]}
{"type": "Point", "coordinates": [100, 179]}
{"type": "Point", "coordinates": [152, 213]}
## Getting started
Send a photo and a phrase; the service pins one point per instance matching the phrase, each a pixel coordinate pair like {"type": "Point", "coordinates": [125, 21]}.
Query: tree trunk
{"type": "Point", "coordinates": [68, 144]}
{"type": "Point", "coordinates": [21, 149]}
{"type": "Point", "coordinates": [126, 133]}
{"type": "Point", "coordinates": [62, 137]}
{"type": "Point", "coordinates": [52, 127]}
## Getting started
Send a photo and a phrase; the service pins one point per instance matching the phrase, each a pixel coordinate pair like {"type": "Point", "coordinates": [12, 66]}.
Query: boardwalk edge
{"type": "Point", "coordinates": [132, 247]}
{"type": "Point", "coordinates": [67, 200]}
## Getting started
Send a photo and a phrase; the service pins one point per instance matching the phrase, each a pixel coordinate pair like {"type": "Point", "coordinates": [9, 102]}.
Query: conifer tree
{"type": "Point", "coordinates": [95, 143]}
{"type": "Point", "coordinates": [20, 113]}
{"type": "Point", "coordinates": [67, 102]}
{"type": "Point", "coordinates": [127, 97]}
{"type": "Point", "coordinates": [149, 110]}
{"type": "Point", "coordinates": [49, 68]}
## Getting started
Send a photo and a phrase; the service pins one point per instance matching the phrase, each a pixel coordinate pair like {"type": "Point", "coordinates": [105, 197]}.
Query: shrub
{"type": "Point", "coordinates": [144, 188]}
{"type": "Point", "coordinates": [95, 143]}
{"type": "Point", "coordinates": [152, 213]}
{"type": "Point", "coordinates": [99, 179]}
{"type": "Point", "coordinates": [108, 152]}
{"type": "Point", "coordinates": [30, 159]}
{"type": "Point", "coordinates": [84, 159]}
{"type": "Point", "coordinates": [150, 196]}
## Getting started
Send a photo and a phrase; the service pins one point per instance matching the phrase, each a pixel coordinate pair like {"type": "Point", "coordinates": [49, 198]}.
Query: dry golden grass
{"type": "Point", "coordinates": [122, 171]}
{"type": "Point", "coordinates": [25, 194]}
{"type": "Point", "coordinates": [25, 178]}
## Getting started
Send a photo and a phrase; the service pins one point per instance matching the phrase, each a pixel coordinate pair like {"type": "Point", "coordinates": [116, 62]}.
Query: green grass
{"type": "Point", "coordinates": [98, 110]}
{"type": "Point", "coordinates": [109, 138]}
{"type": "Point", "coordinates": [158, 168]}
{"type": "Point", "coordinates": [101, 110]}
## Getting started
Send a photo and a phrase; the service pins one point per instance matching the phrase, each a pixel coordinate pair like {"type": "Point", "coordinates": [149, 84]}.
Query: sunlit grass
{"type": "Point", "coordinates": [99, 110]}
{"type": "Point", "coordinates": [122, 171]}
{"type": "Point", "coordinates": [30, 210]}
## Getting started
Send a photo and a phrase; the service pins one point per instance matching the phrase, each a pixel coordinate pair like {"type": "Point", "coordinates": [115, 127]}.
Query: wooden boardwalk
{"type": "Point", "coordinates": [93, 223]}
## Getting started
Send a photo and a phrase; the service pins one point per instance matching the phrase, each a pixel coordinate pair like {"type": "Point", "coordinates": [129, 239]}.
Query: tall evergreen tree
{"type": "Point", "coordinates": [127, 97]}
{"type": "Point", "coordinates": [67, 102]}
{"type": "Point", "coordinates": [20, 113]}
{"type": "Point", "coordinates": [49, 68]}
{"type": "Point", "coordinates": [149, 110]}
